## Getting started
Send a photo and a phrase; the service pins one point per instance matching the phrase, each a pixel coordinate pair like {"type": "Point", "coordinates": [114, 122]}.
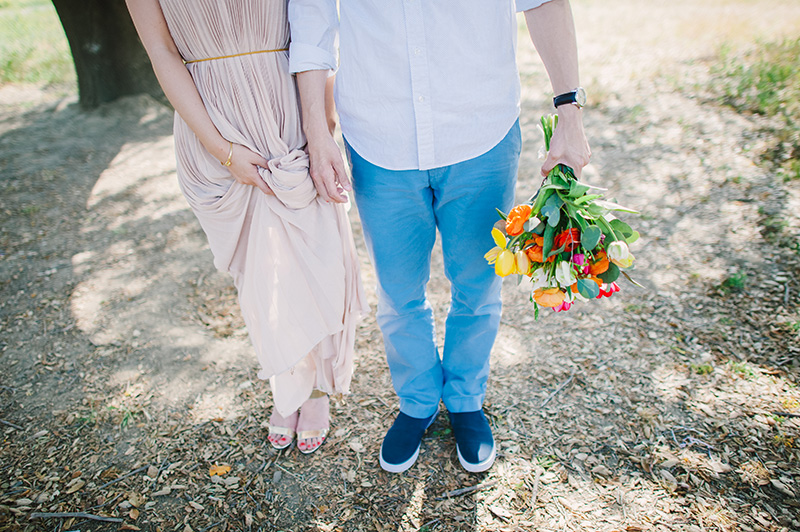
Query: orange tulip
{"type": "Point", "coordinates": [600, 265]}
{"type": "Point", "coordinates": [516, 219]}
{"type": "Point", "coordinates": [549, 297]}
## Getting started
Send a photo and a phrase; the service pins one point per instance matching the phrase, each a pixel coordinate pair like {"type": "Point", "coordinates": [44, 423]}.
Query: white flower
{"type": "Point", "coordinates": [618, 253]}
{"type": "Point", "coordinates": [565, 275]}
{"type": "Point", "coordinates": [540, 279]}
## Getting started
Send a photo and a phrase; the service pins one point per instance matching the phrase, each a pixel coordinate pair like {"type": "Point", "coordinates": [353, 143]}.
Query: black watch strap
{"type": "Point", "coordinates": [577, 96]}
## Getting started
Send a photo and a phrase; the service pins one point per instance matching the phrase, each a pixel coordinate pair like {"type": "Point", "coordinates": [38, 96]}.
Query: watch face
{"type": "Point", "coordinates": [580, 96]}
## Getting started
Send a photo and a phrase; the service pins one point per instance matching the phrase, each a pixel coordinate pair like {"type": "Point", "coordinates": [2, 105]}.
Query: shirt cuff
{"type": "Point", "coordinates": [524, 5]}
{"type": "Point", "coordinates": [303, 57]}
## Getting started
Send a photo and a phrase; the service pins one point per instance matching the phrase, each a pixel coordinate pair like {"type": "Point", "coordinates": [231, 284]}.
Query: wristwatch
{"type": "Point", "coordinates": [576, 97]}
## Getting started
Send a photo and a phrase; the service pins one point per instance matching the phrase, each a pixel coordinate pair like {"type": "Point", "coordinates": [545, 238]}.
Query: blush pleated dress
{"type": "Point", "coordinates": [291, 255]}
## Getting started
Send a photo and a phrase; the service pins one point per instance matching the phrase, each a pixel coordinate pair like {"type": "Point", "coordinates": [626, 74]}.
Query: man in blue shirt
{"type": "Point", "coordinates": [428, 98]}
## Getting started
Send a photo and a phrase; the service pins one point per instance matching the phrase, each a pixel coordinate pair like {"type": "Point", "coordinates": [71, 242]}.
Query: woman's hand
{"type": "Point", "coordinates": [244, 168]}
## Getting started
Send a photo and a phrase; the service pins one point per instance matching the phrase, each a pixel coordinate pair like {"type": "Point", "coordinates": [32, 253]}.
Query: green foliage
{"type": "Point", "coordinates": [766, 81]}
{"type": "Point", "coordinates": [743, 369]}
{"type": "Point", "coordinates": [702, 369]}
{"type": "Point", "coordinates": [735, 282]}
{"type": "Point", "coordinates": [33, 48]}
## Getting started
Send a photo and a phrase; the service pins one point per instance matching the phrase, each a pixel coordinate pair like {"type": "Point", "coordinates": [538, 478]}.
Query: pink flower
{"type": "Point", "coordinates": [563, 306]}
{"type": "Point", "coordinates": [607, 289]}
{"type": "Point", "coordinates": [579, 260]}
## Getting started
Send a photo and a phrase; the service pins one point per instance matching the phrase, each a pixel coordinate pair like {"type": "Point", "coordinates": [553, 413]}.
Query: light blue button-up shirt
{"type": "Point", "coordinates": [421, 83]}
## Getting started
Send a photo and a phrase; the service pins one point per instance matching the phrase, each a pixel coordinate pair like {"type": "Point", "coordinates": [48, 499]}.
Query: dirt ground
{"type": "Point", "coordinates": [126, 374]}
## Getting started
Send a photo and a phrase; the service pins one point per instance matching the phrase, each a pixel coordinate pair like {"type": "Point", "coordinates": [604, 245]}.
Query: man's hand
{"type": "Point", "coordinates": [568, 145]}
{"type": "Point", "coordinates": [327, 168]}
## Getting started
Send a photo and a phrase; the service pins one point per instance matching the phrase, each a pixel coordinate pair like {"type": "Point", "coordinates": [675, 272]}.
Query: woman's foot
{"type": "Point", "coordinates": [313, 424]}
{"type": "Point", "coordinates": [282, 429]}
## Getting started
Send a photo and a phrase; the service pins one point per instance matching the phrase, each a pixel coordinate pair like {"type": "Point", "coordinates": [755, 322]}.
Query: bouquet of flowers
{"type": "Point", "coordinates": [565, 239]}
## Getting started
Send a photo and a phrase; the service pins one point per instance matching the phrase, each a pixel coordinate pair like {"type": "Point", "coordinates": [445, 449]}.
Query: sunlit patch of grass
{"type": "Point", "coordinates": [766, 81]}
{"type": "Point", "coordinates": [33, 47]}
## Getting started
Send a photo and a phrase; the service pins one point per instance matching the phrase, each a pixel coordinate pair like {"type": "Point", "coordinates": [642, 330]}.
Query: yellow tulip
{"type": "Point", "coordinates": [491, 255]}
{"type": "Point", "coordinates": [505, 263]}
{"type": "Point", "coordinates": [523, 263]}
{"type": "Point", "coordinates": [499, 238]}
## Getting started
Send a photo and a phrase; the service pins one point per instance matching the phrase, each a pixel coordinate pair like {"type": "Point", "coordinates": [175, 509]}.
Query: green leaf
{"type": "Point", "coordinates": [590, 237]}
{"type": "Point", "coordinates": [607, 231]}
{"type": "Point", "coordinates": [577, 189]}
{"type": "Point", "coordinates": [501, 213]}
{"type": "Point", "coordinates": [611, 274]}
{"type": "Point", "coordinates": [624, 231]}
{"type": "Point", "coordinates": [587, 198]}
{"type": "Point", "coordinates": [541, 198]}
{"type": "Point", "coordinates": [557, 177]}
{"type": "Point", "coordinates": [556, 252]}
{"type": "Point", "coordinates": [567, 172]}
{"type": "Point", "coordinates": [588, 288]}
{"type": "Point", "coordinates": [549, 235]}
{"type": "Point", "coordinates": [611, 206]}
{"type": "Point", "coordinates": [628, 277]}
{"type": "Point", "coordinates": [552, 210]}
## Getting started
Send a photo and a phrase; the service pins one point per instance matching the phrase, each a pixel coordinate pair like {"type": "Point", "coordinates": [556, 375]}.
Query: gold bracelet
{"type": "Point", "coordinates": [230, 156]}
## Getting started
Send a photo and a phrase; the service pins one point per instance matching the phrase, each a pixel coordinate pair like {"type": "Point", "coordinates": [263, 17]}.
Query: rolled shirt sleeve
{"type": "Point", "coordinates": [524, 5]}
{"type": "Point", "coordinates": [314, 25]}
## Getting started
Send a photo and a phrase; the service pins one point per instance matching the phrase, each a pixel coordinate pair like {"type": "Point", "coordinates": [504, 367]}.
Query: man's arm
{"type": "Point", "coordinates": [314, 24]}
{"type": "Point", "coordinates": [326, 165]}
{"type": "Point", "coordinates": [552, 31]}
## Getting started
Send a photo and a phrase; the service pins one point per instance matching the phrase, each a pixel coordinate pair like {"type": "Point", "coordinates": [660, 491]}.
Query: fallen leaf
{"type": "Point", "coordinates": [219, 470]}
{"type": "Point", "coordinates": [152, 472]}
{"type": "Point", "coordinates": [134, 514]}
{"type": "Point", "coordinates": [602, 470]}
{"type": "Point", "coordinates": [127, 526]}
{"type": "Point", "coordinates": [500, 512]}
{"type": "Point", "coordinates": [356, 445]}
{"type": "Point", "coordinates": [719, 467]}
{"type": "Point", "coordinates": [135, 499]}
{"type": "Point", "coordinates": [75, 485]}
{"type": "Point", "coordinates": [780, 486]}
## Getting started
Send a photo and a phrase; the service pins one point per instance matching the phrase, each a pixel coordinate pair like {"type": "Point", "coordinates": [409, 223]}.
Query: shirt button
{"type": "Point", "coordinates": [421, 98]}
{"type": "Point", "coordinates": [417, 51]}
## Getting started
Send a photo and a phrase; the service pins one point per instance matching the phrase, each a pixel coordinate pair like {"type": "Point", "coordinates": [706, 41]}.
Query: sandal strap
{"type": "Point", "coordinates": [283, 431]}
{"type": "Point", "coordinates": [308, 434]}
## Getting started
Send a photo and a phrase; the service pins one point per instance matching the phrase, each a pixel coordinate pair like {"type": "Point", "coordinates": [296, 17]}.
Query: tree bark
{"type": "Point", "coordinates": [110, 61]}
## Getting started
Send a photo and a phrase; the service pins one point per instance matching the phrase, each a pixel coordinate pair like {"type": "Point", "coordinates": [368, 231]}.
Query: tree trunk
{"type": "Point", "coordinates": [110, 61]}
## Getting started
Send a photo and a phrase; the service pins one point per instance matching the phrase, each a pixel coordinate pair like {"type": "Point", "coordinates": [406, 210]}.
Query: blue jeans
{"type": "Point", "coordinates": [400, 212]}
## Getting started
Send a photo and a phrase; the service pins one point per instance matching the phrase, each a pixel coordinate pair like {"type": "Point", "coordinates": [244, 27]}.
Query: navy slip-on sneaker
{"type": "Point", "coordinates": [400, 447]}
{"type": "Point", "coordinates": [474, 440]}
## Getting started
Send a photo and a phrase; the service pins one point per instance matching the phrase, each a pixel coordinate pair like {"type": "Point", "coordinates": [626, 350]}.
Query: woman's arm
{"type": "Point", "coordinates": [182, 93]}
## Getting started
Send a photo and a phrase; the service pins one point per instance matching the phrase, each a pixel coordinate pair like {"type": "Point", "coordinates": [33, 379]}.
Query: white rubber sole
{"type": "Point", "coordinates": [399, 468]}
{"type": "Point", "coordinates": [477, 468]}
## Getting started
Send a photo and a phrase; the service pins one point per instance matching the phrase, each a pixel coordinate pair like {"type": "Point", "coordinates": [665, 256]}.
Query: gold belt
{"type": "Point", "coordinates": [235, 55]}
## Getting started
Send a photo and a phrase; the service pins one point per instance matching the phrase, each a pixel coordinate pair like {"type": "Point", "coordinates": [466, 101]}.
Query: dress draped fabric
{"type": "Point", "coordinates": [291, 255]}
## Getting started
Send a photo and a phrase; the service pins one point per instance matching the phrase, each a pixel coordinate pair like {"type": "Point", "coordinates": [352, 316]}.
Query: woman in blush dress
{"type": "Point", "coordinates": [243, 168]}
